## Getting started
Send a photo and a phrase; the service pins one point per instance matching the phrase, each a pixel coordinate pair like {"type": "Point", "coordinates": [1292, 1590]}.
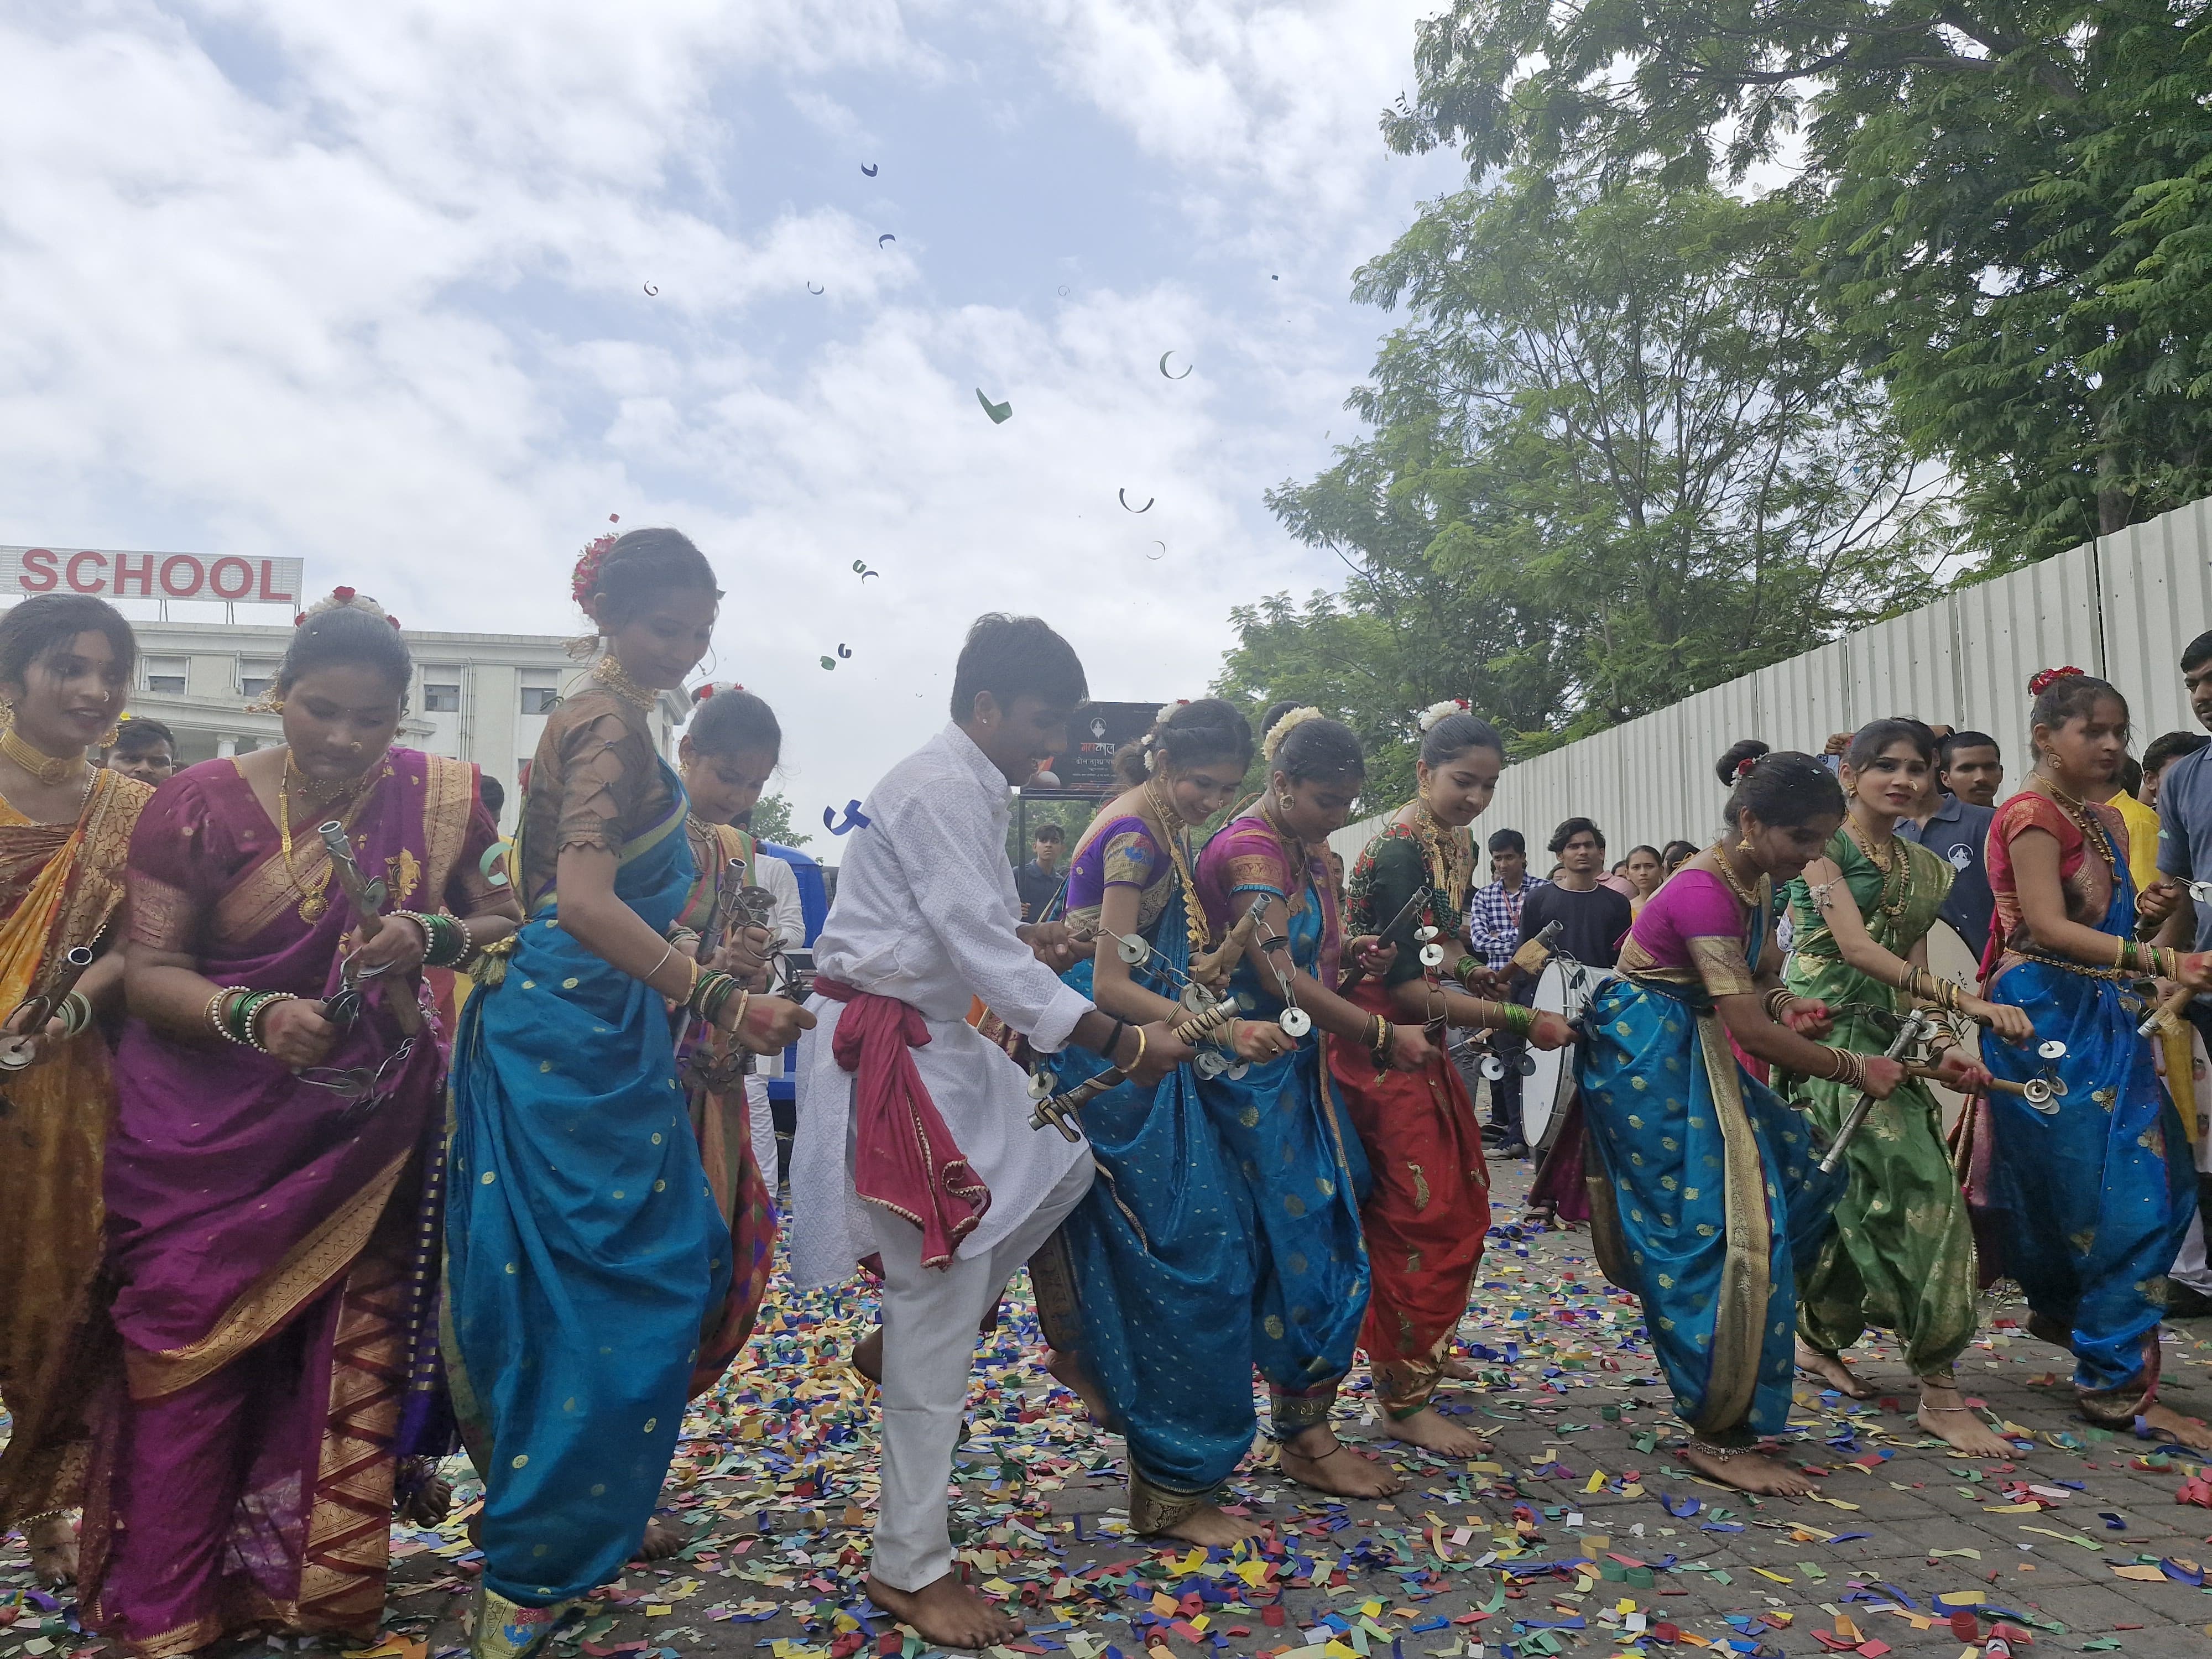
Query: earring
{"type": "Point", "coordinates": [1743, 844]}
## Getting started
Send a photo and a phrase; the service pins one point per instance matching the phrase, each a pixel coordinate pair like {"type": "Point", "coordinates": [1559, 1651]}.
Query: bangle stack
{"type": "Point", "coordinates": [1777, 1003]}
{"type": "Point", "coordinates": [2152, 961]}
{"type": "Point", "coordinates": [75, 1011]}
{"type": "Point", "coordinates": [1379, 1041]}
{"type": "Point", "coordinates": [711, 992]}
{"type": "Point", "coordinates": [236, 1013]}
{"type": "Point", "coordinates": [1514, 1019]}
{"type": "Point", "coordinates": [1465, 970]}
{"type": "Point", "coordinates": [1846, 1067]}
{"type": "Point", "coordinates": [447, 941]}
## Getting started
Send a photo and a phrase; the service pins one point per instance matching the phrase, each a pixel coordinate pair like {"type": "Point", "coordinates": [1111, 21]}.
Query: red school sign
{"type": "Point", "coordinates": [118, 575]}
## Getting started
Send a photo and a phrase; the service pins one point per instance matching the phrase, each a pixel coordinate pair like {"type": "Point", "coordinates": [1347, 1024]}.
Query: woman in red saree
{"type": "Point", "coordinates": [1428, 1208]}
{"type": "Point", "coordinates": [276, 1145]}
{"type": "Point", "coordinates": [65, 662]}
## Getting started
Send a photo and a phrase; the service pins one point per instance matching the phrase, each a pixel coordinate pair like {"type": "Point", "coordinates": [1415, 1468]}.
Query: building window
{"type": "Point", "coordinates": [541, 690]}
{"type": "Point", "coordinates": [165, 675]}
{"type": "Point", "coordinates": [255, 675]}
{"type": "Point", "coordinates": [440, 699]}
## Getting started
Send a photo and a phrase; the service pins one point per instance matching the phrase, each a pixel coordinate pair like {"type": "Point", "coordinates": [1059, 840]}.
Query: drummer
{"type": "Point", "coordinates": [1428, 1209]}
{"type": "Point", "coordinates": [1593, 920]}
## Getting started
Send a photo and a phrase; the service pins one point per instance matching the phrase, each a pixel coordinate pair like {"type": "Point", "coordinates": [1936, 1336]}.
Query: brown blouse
{"type": "Point", "coordinates": [595, 781]}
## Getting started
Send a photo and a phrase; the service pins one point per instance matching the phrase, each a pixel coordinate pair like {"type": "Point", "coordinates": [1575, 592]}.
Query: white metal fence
{"type": "Point", "coordinates": [2122, 607]}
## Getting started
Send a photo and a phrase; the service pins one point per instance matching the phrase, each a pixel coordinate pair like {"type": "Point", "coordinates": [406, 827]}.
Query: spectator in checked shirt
{"type": "Point", "coordinates": [1493, 915]}
{"type": "Point", "coordinates": [1494, 933]}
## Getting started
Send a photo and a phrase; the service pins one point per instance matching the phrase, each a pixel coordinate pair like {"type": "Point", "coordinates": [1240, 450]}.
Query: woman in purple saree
{"type": "Point", "coordinates": [276, 1144]}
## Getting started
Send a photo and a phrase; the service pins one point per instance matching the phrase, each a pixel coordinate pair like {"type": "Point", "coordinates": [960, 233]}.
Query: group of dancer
{"type": "Point", "coordinates": [263, 1282]}
{"type": "Point", "coordinates": [296, 1240]}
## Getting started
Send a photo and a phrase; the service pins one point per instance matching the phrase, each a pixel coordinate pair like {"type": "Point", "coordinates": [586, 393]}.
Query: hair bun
{"type": "Point", "coordinates": [1736, 765]}
{"type": "Point", "coordinates": [2043, 682]}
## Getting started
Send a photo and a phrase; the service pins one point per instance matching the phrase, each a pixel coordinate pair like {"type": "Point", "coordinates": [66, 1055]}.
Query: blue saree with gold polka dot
{"type": "Point", "coordinates": [584, 1250]}
{"type": "Point", "coordinates": [1715, 1182]}
{"type": "Point", "coordinates": [1221, 1237]}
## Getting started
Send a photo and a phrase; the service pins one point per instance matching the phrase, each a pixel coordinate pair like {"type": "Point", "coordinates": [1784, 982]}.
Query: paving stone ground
{"type": "Point", "coordinates": [775, 1488]}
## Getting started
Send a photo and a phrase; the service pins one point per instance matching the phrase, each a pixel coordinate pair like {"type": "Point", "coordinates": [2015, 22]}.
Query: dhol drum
{"type": "Point", "coordinates": [1949, 957]}
{"type": "Point", "coordinates": [1564, 989]}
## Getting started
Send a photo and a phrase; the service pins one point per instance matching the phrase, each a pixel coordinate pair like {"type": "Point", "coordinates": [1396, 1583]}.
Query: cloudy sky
{"type": "Point", "coordinates": [366, 283]}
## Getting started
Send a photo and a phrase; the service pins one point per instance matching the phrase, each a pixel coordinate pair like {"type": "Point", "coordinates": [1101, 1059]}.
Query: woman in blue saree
{"type": "Point", "coordinates": [1223, 1234]}
{"type": "Point", "coordinates": [2090, 1198]}
{"type": "Point", "coordinates": [1709, 1194]}
{"type": "Point", "coordinates": [586, 1255]}
{"type": "Point", "coordinates": [1146, 1292]}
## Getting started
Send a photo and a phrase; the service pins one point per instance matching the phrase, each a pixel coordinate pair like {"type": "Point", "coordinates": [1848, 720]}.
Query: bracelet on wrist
{"type": "Point", "coordinates": [1776, 1001]}
{"type": "Point", "coordinates": [256, 1015]}
{"type": "Point", "coordinates": [1515, 1019]}
{"type": "Point", "coordinates": [76, 1013]}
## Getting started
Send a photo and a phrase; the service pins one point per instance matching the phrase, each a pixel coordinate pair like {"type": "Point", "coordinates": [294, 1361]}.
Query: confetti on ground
{"type": "Point", "coordinates": [1580, 1533]}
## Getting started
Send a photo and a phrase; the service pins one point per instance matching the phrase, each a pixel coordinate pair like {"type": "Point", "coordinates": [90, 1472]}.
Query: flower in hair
{"type": "Point", "coordinates": [706, 691]}
{"type": "Point", "coordinates": [1747, 766]}
{"type": "Point", "coordinates": [344, 598]}
{"type": "Point", "coordinates": [1426, 719]}
{"type": "Point", "coordinates": [584, 580]}
{"type": "Point", "coordinates": [1168, 709]}
{"type": "Point", "coordinates": [2051, 676]}
{"type": "Point", "coordinates": [1283, 728]}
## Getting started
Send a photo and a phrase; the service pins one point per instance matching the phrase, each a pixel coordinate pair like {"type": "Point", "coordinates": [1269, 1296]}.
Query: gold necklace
{"type": "Point", "coordinates": [1172, 822]}
{"type": "Point", "coordinates": [1750, 897]}
{"type": "Point", "coordinates": [314, 901]}
{"type": "Point", "coordinates": [609, 672]}
{"type": "Point", "coordinates": [49, 769]}
{"type": "Point", "coordinates": [1454, 873]}
{"type": "Point", "coordinates": [1891, 904]}
{"type": "Point", "coordinates": [2084, 820]}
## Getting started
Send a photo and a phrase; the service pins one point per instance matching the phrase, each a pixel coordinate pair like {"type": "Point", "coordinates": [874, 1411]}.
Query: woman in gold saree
{"type": "Point", "coordinates": [65, 662]}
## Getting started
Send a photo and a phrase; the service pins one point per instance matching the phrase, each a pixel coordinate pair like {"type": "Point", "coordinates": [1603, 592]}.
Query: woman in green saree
{"type": "Point", "coordinates": [1901, 1255]}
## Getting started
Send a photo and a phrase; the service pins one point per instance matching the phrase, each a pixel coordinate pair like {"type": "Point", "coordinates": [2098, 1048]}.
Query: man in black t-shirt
{"type": "Point", "coordinates": [1038, 881]}
{"type": "Point", "coordinates": [1593, 918]}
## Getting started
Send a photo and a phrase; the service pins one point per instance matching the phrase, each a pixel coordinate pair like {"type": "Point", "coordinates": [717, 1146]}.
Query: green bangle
{"type": "Point", "coordinates": [1517, 1019]}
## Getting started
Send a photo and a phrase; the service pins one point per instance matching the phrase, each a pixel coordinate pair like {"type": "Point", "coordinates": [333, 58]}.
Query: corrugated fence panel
{"type": "Point", "coordinates": [2123, 607]}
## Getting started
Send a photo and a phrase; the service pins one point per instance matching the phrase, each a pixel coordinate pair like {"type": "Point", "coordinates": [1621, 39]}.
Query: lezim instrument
{"type": "Point", "coordinates": [1564, 989]}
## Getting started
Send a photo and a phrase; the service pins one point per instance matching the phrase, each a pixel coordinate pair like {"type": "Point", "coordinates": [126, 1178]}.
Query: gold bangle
{"type": "Point", "coordinates": [2120, 952]}
{"type": "Point", "coordinates": [744, 1007]}
{"type": "Point", "coordinates": [1141, 1041]}
{"type": "Point", "coordinates": [214, 1015]}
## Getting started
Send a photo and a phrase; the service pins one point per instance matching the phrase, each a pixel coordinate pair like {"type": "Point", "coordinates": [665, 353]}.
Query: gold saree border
{"type": "Point", "coordinates": [270, 887]}
{"type": "Point", "coordinates": [304, 1272]}
{"type": "Point", "coordinates": [1747, 1283]}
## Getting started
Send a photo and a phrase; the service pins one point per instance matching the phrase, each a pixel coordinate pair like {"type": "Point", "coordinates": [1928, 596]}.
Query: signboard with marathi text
{"type": "Point", "coordinates": [1095, 732]}
{"type": "Point", "coordinates": [113, 574]}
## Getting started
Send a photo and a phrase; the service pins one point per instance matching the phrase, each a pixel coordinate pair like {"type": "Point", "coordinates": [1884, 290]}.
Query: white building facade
{"type": "Point", "coordinates": [480, 697]}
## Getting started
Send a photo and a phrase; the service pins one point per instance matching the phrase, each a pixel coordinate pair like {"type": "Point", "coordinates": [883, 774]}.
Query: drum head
{"type": "Point", "coordinates": [1564, 989]}
{"type": "Point", "coordinates": [1949, 957]}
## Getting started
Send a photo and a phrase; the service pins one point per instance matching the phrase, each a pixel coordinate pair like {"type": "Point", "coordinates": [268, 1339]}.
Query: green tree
{"type": "Point", "coordinates": [1613, 462]}
{"type": "Point", "coordinates": [2006, 205]}
{"type": "Point", "coordinates": [772, 822]}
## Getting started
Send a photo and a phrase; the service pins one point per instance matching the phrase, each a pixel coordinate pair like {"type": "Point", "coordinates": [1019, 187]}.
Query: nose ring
{"type": "Point", "coordinates": [356, 748]}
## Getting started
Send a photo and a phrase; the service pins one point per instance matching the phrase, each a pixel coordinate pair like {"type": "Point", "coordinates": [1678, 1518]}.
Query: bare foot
{"type": "Point", "coordinates": [1207, 1525]}
{"type": "Point", "coordinates": [1831, 1369]}
{"type": "Point", "coordinates": [946, 1613]}
{"type": "Point", "coordinates": [1948, 1417]}
{"type": "Point", "coordinates": [1327, 1464]}
{"type": "Point", "coordinates": [53, 1551]}
{"type": "Point", "coordinates": [2189, 1431]}
{"type": "Point", "coordinates": [431, 1502]}
{"type": "Point", "coordinates": [1431, 1428]}
{"type": "Point", "coordinates": [868, 1356]}
{"type": "Point", "coordinates": [1070, 1371]}
{"type": "Point", "coordinates": [661, 1541]}
{"type": "Point", "coordinates": [1751, 1472]}
{"type": "Point", "coordinates": [1462, 1370]}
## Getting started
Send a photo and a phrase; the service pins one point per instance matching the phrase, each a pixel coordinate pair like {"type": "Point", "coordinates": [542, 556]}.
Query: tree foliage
{"type": "Point", "coordinates": [772, 822]}
{"type": "Point", "coordinates": [1613, 462]}
{"type": "Point", "coordinates": [2008, 205]}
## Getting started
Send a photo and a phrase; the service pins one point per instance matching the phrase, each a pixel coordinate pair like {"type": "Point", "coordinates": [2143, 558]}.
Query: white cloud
{"type": "Point", "coordinates": [364, 284]}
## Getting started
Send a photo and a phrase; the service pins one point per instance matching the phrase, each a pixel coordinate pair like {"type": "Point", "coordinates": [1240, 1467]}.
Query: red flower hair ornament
{"type": "Point", "coordinates": [345, 598]}
{"type": "Point", "coordinates": [2051, 676]}
{"type": "Point", "coordinates": [584, 580]}
{"type": "Point", "coordinates": [1747, 766]}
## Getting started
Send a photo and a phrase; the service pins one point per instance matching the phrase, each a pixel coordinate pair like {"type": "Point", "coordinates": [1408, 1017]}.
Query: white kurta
{"type": "Point", "coordinates": [925, 913]}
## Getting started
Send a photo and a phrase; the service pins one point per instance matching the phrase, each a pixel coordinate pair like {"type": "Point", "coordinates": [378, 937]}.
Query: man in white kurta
{"type": "Point", "coordinates": [926, 913]}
